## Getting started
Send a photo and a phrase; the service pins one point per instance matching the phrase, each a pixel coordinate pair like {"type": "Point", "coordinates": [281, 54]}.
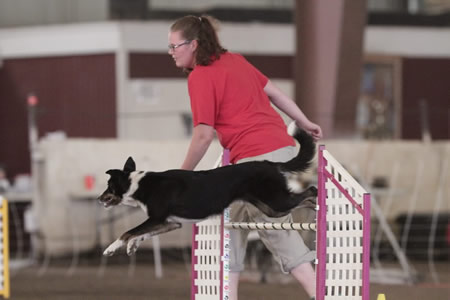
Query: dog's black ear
{"type": "Point", "coordinates": [113, 172]}
{"type": "Point", "coordinates": [129, 166]}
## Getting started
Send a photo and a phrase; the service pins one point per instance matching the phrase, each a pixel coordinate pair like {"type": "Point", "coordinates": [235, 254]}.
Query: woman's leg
{"type": "Point", "coordinates": [234, 285]}
{"type": "Point", "coordinates": [306, 275]}
{"type": "Point", "coordinates": [238, 245]}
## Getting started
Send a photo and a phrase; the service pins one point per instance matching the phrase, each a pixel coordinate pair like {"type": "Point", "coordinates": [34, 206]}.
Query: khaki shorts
{"type": "Point", "coordinates": [287, 246]}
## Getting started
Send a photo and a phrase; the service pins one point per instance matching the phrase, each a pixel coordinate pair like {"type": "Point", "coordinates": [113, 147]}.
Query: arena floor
{"type": "Point", "coordinates": [119, 281]}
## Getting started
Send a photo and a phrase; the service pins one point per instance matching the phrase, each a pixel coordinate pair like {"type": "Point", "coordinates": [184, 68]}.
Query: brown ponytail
{"type": "Point", "coordinates": [203, 30]}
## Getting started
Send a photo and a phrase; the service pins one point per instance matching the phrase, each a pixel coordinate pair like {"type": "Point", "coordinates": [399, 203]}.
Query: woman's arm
{"type": "Point", "coordinates": [201, 139]}
{"type": "Point", "coordinates": [290, 108]}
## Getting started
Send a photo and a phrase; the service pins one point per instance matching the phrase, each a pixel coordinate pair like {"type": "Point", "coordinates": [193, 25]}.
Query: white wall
{"type": "Point", "coordinates": [67, 217]}
{"type": "Point", "coordinates": [416, 172]}
{"type": "Point", "coordinates": [249, 38]}
{"type": "Point", "coordinates": [253, 38]}
{"type": "Point", "coordinates": [43, 12]}
{"type": "Point", "coordinates": [407, 41]}
{"type": "Point", "coordinates": [152, 108]}
{"type": "Point", "coordinates": [60, 40]}
{"type": "Point", "coordinates": [206, 4]}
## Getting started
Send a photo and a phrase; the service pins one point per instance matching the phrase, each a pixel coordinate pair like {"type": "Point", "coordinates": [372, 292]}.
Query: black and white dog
{"type": "Point", "coordinates": [176, 196]}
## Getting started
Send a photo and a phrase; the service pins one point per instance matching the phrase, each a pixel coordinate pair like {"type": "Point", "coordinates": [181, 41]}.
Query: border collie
{"type": "Point", "coordinates": [176, 196]}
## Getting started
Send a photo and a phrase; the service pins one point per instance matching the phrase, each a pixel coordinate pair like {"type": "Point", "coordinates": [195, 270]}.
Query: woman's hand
{"type": "Point", "coordinates": [313, 129]}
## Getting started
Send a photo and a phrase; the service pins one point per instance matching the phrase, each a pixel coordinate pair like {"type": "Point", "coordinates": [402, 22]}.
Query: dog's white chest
{"type": "Point", "coordinates": [135, 177]}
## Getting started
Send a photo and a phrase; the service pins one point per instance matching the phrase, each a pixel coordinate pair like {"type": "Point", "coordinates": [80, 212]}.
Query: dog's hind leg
{"type": "Point", "coordinates": [135, 236]}
{"type": "Point", "coordinates": [267, 210]}
{"type": "Point", "coordinates": [281, 208]}
{"type": "Point", "coordinates": [310, 192]}
{"type": "Point", "coordinates": [298, 199]}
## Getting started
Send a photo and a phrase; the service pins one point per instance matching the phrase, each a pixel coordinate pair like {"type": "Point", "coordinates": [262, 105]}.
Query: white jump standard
{"type": "Point", "coordinates": [342, 240]}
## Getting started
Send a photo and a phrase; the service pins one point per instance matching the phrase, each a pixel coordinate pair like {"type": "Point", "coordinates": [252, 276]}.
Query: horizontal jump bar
{"type": "Point", "coordinates": [271, 226]}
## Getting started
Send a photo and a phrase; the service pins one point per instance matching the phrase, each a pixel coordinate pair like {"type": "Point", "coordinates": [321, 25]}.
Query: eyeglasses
{"type": "Point", "coordinates": [173, 47]}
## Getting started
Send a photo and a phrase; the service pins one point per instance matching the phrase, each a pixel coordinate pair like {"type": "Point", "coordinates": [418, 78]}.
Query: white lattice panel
{"type": "Point", "coordinates": [344, 178]}
{"type": "Point", "coordinates": [208, 281]}
{"type": "Point", "coordinates": [344, 233]}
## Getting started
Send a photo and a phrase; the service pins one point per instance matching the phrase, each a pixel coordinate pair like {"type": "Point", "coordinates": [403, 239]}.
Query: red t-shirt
{"type": "Point", "coordinates": [229, 96]}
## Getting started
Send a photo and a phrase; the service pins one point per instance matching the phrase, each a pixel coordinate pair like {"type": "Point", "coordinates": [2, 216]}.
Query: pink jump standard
{"type": "Point", "coordinates": [342, 239]}
{"type": "Point", "coordinates": [343, 233]}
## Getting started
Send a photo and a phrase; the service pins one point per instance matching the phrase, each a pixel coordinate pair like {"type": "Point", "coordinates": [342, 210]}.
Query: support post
{"type": "Point", "coordinates": [321, 236]}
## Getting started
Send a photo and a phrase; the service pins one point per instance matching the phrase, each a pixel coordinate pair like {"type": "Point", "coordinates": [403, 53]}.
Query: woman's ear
{"type": "Point", "coordinates": [194, 45]}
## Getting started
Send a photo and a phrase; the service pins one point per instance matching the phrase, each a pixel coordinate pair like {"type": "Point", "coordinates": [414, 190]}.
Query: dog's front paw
{"type": "Point", "coordinates": [133, 245]}
{"type": "Point", "coordinates": [113, 248]}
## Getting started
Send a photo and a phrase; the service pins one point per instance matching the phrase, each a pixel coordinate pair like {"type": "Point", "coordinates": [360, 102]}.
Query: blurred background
{"type": "Point", "coordinates": [85, 84]}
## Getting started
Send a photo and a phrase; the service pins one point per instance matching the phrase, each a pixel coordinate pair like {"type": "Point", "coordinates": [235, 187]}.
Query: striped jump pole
{"type": "Point", "coordinates": [342, 239]}
{"type": "Point", "coordinates": [271, 226]}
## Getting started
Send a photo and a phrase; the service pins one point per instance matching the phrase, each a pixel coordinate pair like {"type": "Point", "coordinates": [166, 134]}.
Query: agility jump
{"type": "Point", "coordinates": [342, 240]}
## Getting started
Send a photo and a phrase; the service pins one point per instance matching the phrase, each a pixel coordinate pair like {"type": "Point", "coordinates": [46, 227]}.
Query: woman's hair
{"type": "Point", "coordinates": [203, 30]}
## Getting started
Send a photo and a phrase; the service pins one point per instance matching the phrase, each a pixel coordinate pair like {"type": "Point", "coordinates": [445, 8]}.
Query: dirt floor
{"type": "Point", "coordinates": [121, 280]}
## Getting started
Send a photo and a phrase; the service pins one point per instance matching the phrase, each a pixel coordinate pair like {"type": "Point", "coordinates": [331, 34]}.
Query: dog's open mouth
{"type": "Point", "coordinates": [105, 204]}
{"type": "Point", "coordinates": [109, 200]}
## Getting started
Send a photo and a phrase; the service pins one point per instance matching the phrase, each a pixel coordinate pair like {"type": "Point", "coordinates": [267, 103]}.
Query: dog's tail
{"type": "Point", "coordinates": [307, 152]}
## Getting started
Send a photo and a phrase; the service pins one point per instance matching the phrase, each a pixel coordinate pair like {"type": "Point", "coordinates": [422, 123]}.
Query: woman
{"type": "Point", "coordinates": [232, 98]}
